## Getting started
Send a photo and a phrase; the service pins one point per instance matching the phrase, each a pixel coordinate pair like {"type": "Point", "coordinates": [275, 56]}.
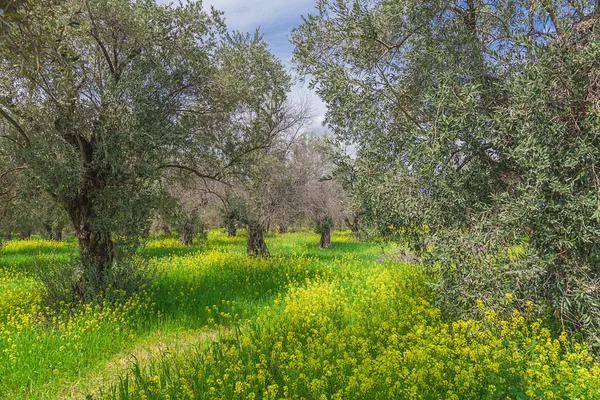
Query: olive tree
{"type": "Point", "coordinates": [99, 98]}
{"type": "Point", "coordinates": [318, 196]}
{"type": "Point", "coordinates": [475, 124]}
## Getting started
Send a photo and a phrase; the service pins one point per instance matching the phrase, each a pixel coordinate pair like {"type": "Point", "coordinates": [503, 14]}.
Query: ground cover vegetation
{"type": "Point", "coordinates": [169, 227]}
{"type": "Point", "coordinates": [304, 323]}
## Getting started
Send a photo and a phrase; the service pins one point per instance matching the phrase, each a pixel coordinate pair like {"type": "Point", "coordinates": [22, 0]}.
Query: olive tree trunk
{"type": "Point", "coordinates": [325, 241]}
{"type": "Point", "coordinates": [57, 234]}
{"type": "Point", "coordinates": [354, 226]}
{"type": "Point", "coordinates": [187, 237]}
{"type": "Point", "coordinates": [188, 228]}
{"type": "Point", "coordinates": [231, 229]}
{"type": "Point", "coordinates": [255, 245]}
{"type": "Point", "coordinates": [96, 247]}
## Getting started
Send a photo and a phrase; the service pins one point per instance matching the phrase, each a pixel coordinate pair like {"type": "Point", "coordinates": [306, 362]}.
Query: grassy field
{"type": "Point", "coordinates": [341, 323]}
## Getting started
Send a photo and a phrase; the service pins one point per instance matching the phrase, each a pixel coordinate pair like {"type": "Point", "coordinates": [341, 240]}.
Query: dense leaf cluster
{"type": "Point", "coordinates": [476, 127]}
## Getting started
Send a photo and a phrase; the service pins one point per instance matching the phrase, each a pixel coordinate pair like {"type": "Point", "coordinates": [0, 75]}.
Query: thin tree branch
{"type": "Point", "coordinates": [194, 171]}
{"type": "Point", "coordinates": [16, 125]}
{"type": "Point", "coordinates": [96, 37]}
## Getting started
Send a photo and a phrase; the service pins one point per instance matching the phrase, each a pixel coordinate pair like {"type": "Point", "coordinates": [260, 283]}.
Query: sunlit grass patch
{"type": "Point", "coordinates": [304, 323]}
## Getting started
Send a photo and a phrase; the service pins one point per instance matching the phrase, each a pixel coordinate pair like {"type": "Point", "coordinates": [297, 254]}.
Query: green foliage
{"type": "Point", "coordinates": [336, 323]}
{"type": "Point", "coordinates": [99, 98]}
{"type": "Point", "coordinates": [474, 129]}
{"type": "Point", "coordinates": [325, 224]}
{"type": "Point", "coordinates": [56, 346]}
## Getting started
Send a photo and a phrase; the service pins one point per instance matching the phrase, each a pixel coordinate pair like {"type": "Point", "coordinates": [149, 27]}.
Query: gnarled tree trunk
{"type": "Point", "coordinates": [354, 226]}
{"type": "Point", "coordinates": [255, 245]}
{"type": "Point", "coordinates": [187, 237]}
{"type": "Point", "coordinates": [324, 225]}
{"type": "Point", "coordinates": [96, 247]}
{"type": "Point", "coordinates": [231, 229]}
{"type": "Point", "coordinates": [57, 234]}
{"type": "Point", "coordinates": [188, 228]}
{"type": "Point", "coordinates": [325, 241]}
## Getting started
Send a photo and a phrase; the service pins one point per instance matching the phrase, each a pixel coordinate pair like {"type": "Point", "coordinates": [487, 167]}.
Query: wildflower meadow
{"type": "Point", "coordinates": [306, 323]}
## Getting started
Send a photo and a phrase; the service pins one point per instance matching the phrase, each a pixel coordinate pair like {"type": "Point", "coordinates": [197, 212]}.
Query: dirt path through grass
{"type": "Point", "coordinates": [157, 344]}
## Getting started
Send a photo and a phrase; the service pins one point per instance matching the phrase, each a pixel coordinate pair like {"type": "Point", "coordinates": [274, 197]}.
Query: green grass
{"type": "Point", "coordinates": [305, 323]}
{"type": "Point", "coordinates": [42, 350]}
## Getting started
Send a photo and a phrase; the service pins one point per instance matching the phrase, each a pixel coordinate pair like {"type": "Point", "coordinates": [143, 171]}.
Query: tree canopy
{"type": "Point", "coordinates": [99, 98]}
{"type": "Point", "coordinates": [476, 126]}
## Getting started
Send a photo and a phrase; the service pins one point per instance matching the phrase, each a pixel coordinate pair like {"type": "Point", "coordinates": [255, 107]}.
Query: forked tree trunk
{"type": "Point", "coordinates": [354, 226]}
{"type": "Point", "coordinates": [325, 241]}
{"type": "Point", "coordinates": [255, 245]}
{"type": "Point", "coordinates": [96, 247]}
{"type": "Point", "coordinates": [187, 237]}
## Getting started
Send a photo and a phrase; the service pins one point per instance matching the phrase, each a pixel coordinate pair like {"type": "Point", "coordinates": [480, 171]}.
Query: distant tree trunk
{"type": "Point", "coordinates": [187, 237]}
{"type": "Point", "coordinates": [8, 236]}
{"type": "Point", "coordinates": [96, 247]}
{"type": "Point", "coordinates": [24, 235]}
{"type": "Point", "coordinates": [325, 241]}
{"type": "Point", "coordinates": [255, 245]}
{"type": "Point", "coordinates": [188, 229]}
{"type": "Point", "coordinates": [354, 226]}
{"type": "Point", "coordinates": [46, 231]}
{"type": "Point", "coordinates": [283, 228]}
{"type": "Point", "coordinates": [57, 234]}
{"type": "Point", "coordinates": [166, 229]}
{"type": "Point", "coordinates": [231, 229]}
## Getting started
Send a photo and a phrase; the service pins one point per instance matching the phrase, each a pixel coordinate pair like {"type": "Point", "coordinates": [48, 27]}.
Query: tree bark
{"type": "Point", "coordinates": [187, 235]}
{"type": "Point", "coordinates": [255, 245]}
{"type": "Point", "coordinates": [57, 234]}
{"type": "Point", "coordinates": [96, 247]}
{"type": "Point", "coordinates": [188, 228]}
{"type": "Point", "coordinates": [325, 241]}
{"type": "Point", "coordinates": [24, 235]}
{"type": "Point", "coordinates": [283, 228]}
{"type": "Point", "coordinates": [354, 226]}
{"type": "Point", "coordinates": [166, 229]}
{"type": "Point", "coordinates": [231, 229]}
{"type": "Point", "coordinates": [8, 236]}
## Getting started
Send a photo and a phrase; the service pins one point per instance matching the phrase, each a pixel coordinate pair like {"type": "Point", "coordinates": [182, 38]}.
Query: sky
{"type": "Point", "coordinates": [276, 19]}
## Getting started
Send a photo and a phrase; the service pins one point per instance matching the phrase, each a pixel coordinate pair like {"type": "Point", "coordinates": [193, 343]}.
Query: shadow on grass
{"type": "Point", "coordinates": [191, 299]}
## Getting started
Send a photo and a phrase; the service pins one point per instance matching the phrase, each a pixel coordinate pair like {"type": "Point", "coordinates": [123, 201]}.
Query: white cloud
{"type": "Point", "coordinates": [276, 19]}
{"type": "Point", "coordinates": [246, 15]}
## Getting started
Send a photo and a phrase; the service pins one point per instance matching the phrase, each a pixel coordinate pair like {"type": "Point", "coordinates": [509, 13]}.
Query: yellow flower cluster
{"type": "Point", "coordinates": [303, 324]}
{"type": "Point", "coordinates": [371, 332]}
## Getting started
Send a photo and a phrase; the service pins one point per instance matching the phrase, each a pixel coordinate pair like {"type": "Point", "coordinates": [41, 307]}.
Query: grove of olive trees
{"type": "Point", "coordinates": [168, 211]}
{"type": "Point", "coordinates": [476, 129]}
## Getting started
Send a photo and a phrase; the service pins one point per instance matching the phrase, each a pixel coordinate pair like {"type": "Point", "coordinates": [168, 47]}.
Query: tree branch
{"type": "Point", "coordinates": [16, 125]}
{"type": "Point", "coordinates": [194, 171]}
{"type": "Point", "coordinates": [96, 37]}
